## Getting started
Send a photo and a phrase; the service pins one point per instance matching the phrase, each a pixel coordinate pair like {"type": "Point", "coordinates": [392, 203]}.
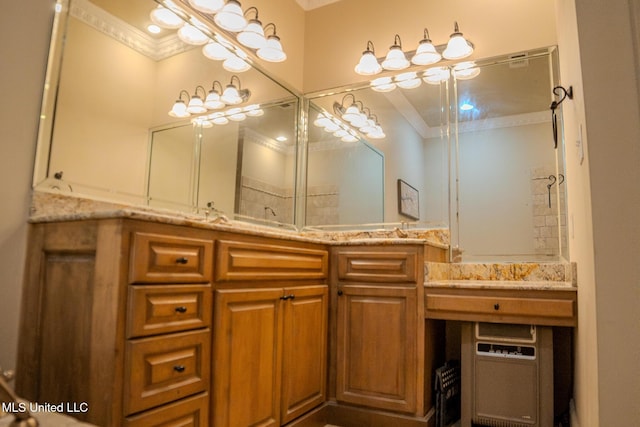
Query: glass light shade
{"type": "Point", "coordinates": [218, 119]}
{"type": "Point", "coordinates": [352, 113]}
{"type": "Point", "coordinates": [457, 48]}
{"type": "Point", "coordinates": [436, 75]}
{"type": "Point", "coordinates": [253, 110]}
{"type": "Point", "coordinates": [202, 122]}
{"type": "Point", "coordinates": [321, 120]}
{"type": "Point", "coordinates": [215, 51]}
{"type": "Point", "coordinates": [191, 35]}
{"type": "Point", "coordinates": [408, 80]}
{"type": "Point", "coordinates": [349, 138]}
{"type": "Point", "coordinates": [331, 126]}
{"type": "Point", "coordinates": [359, 121]}
{"type": "Point", "coordinates": [179, 109]}
{"type": "Point", "coordinates": [395, 59]}
{"type": "Point", "coordinates": [165, 18]}
{"type": "Point", "coordinates": [426, 53]}
{"type": "Point", "coordinates": [235, 64]}
{"type": "Point", "coordinates": [340, 133]}
{"type": "Point", "coordinates": [368, 64]}
{"type": "Point", "coordinates": [253, 35]}
{"type": "Point", "coordinates": [207, 6]}
{"type": "Point", "coordinates": [236, 114]}
{"type": "Point", "coordinates": [231, 96]}
{"type": "Point", "coordinates": [377, 134]}
{"type": "Point", "coordinates": [383, 84]}
{"type": "Point", "coordinates": [272, 50]}
{"type": "Point", "coordinates": [466, 70]}
{"type": "Point", "coordinates": [231, 17]}
{"type": "Point", "coordinates": [196, 106]}
{"type": "Point", "coordinates": [212, 101]}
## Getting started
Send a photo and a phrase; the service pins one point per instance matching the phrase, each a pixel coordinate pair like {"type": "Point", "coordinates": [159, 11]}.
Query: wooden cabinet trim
{"type": "Point", "coordinates": [237, 261]}
{"type": "Point", "coordinates": [541, 307]}
{"type": "Point", "coordinates": [192, 411]}
{"type": "Point", "coordinates": [382, 266]}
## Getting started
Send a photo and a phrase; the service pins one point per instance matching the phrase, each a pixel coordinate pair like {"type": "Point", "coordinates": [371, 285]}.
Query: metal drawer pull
{"type": "Point", "coordinates": [179, 368]}
{"type": "Point", "coordinates": [496, 306]}
{"type": "Point", "coordinates": [286, 297]}
{"type": "Point", "coordinates": [182, 260]}
{"type": "Point", "coordinates": [181, 309]}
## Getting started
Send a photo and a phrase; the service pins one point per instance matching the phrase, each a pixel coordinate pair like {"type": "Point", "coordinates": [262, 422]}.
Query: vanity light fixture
{"type": "Point", "coordinates": [355, 115]}
{"type": "Point", "coordinates": [233, 114]}
{"type": "Point", "coordinates": [165, 18]}
{"type": "Point", "coordinates": [426, 53]}
{"type": "Point", "coordinates": [368, 64]}
{"type": "Point", "coordinates": [191, 35]}
{"type": "Point", "coordinates": [458, 47]}
{"type": "Point", "coordinates": [179, 108]}
{"type": "Point", "coordinates": [196, 103]}
{"type": "Point", "coordinates": [233, 94]}
{"type": "Point", "coordinates": [252, 36]}
{"type": "Point", "coordinates": [272, 49]}
{"type": "Point", "coordinates": [231, 17]}
{"type": "Point", "coordinates": [395, 59]}
{"type": "Point", "coordinates": [207, 6]}
{"type": "Point", "coordinates": [213, 101]}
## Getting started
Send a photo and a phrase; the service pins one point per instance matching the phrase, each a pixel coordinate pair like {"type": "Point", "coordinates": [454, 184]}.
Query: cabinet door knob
{"type": "Point", "coordinates": [340, 292]}
{"type": "Point", "coordinates": [181, 309]}
{"type": "Point", "coordinates": [182, 260]}
{"type": "Point", "coordinates": [179, 368]}
{"type": "Point", "coordinates": [496, 306]}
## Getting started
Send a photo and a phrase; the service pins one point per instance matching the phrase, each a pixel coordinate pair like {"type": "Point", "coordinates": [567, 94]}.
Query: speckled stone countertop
{"type": "Point", "coordinates": [520, 275]}
{"type": "Point", "coordinates": [50, 207]}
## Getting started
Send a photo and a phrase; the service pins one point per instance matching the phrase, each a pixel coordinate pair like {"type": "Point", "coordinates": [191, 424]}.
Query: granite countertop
{"type": "Point", "coordinates": [501, 284]}
{"type": "Point", "coordinates": [50, 207]}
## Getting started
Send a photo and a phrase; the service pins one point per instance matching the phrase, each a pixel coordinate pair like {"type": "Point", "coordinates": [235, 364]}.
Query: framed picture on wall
{"type": "Point", "coordinates": [408, 200]}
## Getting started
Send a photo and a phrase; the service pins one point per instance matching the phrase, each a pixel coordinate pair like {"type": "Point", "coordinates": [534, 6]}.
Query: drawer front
{"type": "Point", "coordinates": [399, 267]}
{"type": "Point", "coordinates": [157, 309]}
{"type": "Point", "coordinates": [257, 261]}
{"type": "Point", "coordinates": [528, 310]}
{"type": "Point", "coordinates": [157, 258]}
{"type": "Point", "coordinates": [189, 412]}
{"type": "Point", "coordinates": [166, 368]}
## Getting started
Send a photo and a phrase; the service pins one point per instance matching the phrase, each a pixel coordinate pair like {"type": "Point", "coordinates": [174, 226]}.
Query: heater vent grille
{"type": "Point", "coordinates": [519, 60]}
{"type": "Point", "coordinates": [491, 422]}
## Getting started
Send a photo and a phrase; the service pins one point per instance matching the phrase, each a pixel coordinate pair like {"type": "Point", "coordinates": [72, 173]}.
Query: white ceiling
{"type": "Point", "coordinates": [314, 4]}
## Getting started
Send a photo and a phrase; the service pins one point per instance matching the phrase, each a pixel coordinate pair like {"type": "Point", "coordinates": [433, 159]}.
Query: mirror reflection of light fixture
{"type": "Point", "coordinates": [254, 110]}
{"type": "Point", "coordinates": [272, 49]}
{"type": "Point", "coordinates": [179, 108]}
{"type": "Point", "coordinates": [191, 35]}
{"type": "Point", "coordinates": [165, 18]}
{"type": "Point", "coordinates": [356, 114]}
{"type": "Point", "coordinates": [426, 53]}
{"type": "Point", "coordinates": [233, 94]}
{"type": "Point", "coordinates": [436, 75]}
{"type": "Point", "coordinates": [383, 84]}
{"type": "Point", "coordinates": [395, 59]}
{"type": "Point", "coordinates": [207, 6]}
{"type": "Point", "coordinates": [252, 35]}
{"type": "Point", "coordinates": [216, 51]}
{"type": "Point", "coordinates": [236, 114]}
{"type": "Point", "coordinates": [235, 64]}
{"type": "Point", "coordinates": [408, 80]}
{"type": "Point", "coordinates": [231, 17]}
{"type": "Point", "coordinates": [466, 70]}
{"type": "Point", "coordinates": [368, 64]}
{"type": "Point", "coordinates": [458, 47]}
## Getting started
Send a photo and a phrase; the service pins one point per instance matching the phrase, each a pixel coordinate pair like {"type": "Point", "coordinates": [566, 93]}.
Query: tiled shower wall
{"type": "Point", "coordinates": [257, 196]}
{"type": "Point", "coordinates": [545, 218]}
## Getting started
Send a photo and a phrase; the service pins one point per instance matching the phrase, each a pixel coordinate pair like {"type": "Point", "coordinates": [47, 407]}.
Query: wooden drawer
{"type": "Point", "coordinates": [257, 261]}
{"type": "Point", "coordinates": [157, 309]}
{"type": "Point", "coordinates": [537, 307]}
{"type": "Point", "coordinates": [166, 368]}
{"type": "Point", "coordinates": [189, 412]}
{"type": "Point", "coordinates": [380, 266]}
{"type": "Point", "coordinates": [157, 258]}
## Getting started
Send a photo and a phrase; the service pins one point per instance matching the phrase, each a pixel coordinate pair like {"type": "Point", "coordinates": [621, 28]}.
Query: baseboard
{"type": "Point", "coordinates": [574, 415]}
{"type": "Point", "coordinates": [350, 416]}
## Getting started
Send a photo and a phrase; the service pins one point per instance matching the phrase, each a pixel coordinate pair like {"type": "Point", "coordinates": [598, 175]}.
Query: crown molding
{"type": "Point", "coordinates": [314, 4]}
{"type": "Point", "coordinates": [117, 29]}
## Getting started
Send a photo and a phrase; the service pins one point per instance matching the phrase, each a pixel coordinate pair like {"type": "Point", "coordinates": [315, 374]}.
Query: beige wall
{"type": "Point", "coordinates": [24, 43]}
{"type": "Point", "coordinates": [337, 34]}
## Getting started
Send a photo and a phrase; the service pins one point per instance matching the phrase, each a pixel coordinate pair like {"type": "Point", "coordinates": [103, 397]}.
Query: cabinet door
{"type": "Point", "coordinates": [246, 368]}
{"type": "Point", "coordinates": [377, 347]}
{"type": "Point", "coordinates": [304, 349]}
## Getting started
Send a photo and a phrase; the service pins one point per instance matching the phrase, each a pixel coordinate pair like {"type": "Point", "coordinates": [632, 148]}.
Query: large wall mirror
{"type": "Point", "coordinates": [107, 133]}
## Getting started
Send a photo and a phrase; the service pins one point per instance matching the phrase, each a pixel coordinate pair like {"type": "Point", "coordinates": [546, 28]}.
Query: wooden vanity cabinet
{"type": "Point", "coordinates": [117, 314]}
{"type": "Point", "coordinates": [379, 350]}
{"type": "Point", "coordinates": [270, 335]}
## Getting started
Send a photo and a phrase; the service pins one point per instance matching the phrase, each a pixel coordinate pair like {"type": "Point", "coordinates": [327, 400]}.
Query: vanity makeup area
{"type": "Point", "coordinates": [263, 262]}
